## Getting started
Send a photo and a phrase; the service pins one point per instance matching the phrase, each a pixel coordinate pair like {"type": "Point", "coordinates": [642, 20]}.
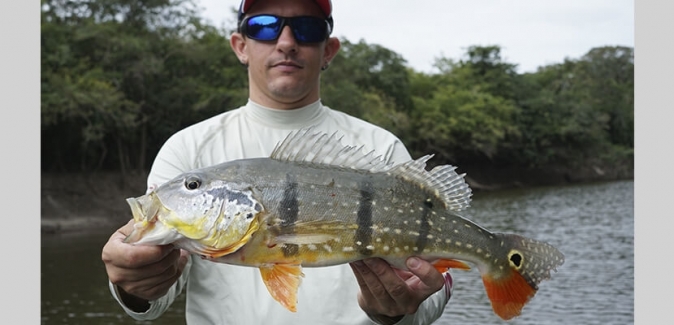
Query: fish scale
{"type": "Point", "coordinates": [315, 202]}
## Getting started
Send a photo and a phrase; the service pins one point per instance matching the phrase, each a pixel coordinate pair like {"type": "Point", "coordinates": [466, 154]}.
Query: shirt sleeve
{"type": "Point", "coordinates": [159, 306]}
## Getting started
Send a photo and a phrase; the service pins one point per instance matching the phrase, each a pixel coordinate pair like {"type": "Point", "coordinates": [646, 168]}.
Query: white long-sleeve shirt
{"type": "Point", "coordinates": [227, 294]}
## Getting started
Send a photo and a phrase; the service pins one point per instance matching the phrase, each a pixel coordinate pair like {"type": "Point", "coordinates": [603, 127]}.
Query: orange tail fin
{"type": "Point", "coordinates": [509, 294]}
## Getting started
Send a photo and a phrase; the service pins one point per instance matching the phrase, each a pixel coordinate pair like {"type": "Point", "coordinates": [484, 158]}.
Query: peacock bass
{"type": "Point", "coordinates": [316, 202]}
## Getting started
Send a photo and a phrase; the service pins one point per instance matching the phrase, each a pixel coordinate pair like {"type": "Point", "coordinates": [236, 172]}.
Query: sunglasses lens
{"type": "Point", "coordinates": [263, 28]}
{"type": "Point", "coordinates": [309, 29]}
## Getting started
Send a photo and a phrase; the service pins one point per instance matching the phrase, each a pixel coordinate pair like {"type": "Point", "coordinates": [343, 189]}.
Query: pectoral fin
{"type": "Point", "coordinates": [282, 281]}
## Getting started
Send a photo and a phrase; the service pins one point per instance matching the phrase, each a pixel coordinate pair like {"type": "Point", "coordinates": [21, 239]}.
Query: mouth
{"type": "Point", "coordinates": [287, 64]}
{"type": "Point", "coordinates": [145, 216]}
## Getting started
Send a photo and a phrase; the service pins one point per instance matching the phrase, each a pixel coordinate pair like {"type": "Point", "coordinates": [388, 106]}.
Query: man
{"type": "Point", "coordinates": [284, 57]}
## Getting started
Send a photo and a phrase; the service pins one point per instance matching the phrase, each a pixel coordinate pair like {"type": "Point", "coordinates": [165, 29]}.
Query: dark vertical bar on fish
{"type": "Point", "coordinates": [288, 211]}
{"type": "Point", "coordinates": [424, 227]}
{"type": "Point", "coordinates": [364, 232]}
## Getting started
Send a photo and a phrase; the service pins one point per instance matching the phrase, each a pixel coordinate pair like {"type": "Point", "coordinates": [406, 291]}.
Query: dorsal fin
{"type": "Point", "coordinates": [319, 148]}
{"type": "Point", "coordinates": [323, 149]}
{"type": "Point", "coordinates": [450, 187]}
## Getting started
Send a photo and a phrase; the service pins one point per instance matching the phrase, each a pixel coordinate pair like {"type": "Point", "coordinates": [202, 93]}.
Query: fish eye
{"type": "Point", "coordinates": [192, 183]}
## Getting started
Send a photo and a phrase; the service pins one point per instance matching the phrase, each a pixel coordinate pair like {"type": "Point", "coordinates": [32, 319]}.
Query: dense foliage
{"type": "Point", "coordinates": [120, 76]}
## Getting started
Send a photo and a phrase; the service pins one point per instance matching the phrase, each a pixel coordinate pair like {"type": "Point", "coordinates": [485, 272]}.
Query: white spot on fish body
{"type": "Point", "coordinates": [347, 249]}
{"type": "Point", "coordinates": [378, 240]}
{"type": "Point", "coordinates": [400, 211]}
{"type": "Point", "coordinates": [370, 247]}
{"type": "Point", "coordinates": [418, 221]}
{"type": "Point", "coordinates": [396, 249]}
{"type": "Point", "coordinates": [406, 248]}
{"type": "Point", "coordinates": [469, 246]}
{"type": "Point", "coordinates": [457, 244]}
{"type": "Point", "coordinates": [385, 248]}
{"type": "Point", "coordinates": [311, 247]}
{"type": "Point", "coordinates": [398, 231]}
{"type": "Point", "coordinates": [386, 229]}
{"type": "Point", "coordinates": [327, 248]}
{"type": "Point", "coordinates": [359, 243]}
{"type": "Point", "coordinates": [413, 233]}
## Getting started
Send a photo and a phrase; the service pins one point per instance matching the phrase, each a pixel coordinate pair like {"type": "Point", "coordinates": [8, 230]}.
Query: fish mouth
{"type": "Point", "coordinates": [146, 230]}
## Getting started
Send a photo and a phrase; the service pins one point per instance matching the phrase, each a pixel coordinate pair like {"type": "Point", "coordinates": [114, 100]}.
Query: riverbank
{"type": "Point", "coordinates": [72, 202]}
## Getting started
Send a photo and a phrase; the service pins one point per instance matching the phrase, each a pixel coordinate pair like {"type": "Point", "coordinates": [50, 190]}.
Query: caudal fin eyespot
{"type": "Point", "coordinates": [516, 259]}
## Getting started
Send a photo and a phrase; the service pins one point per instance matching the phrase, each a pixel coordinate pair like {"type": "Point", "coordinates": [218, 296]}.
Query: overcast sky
{"type": "Point", "coordinates": [531, 33]}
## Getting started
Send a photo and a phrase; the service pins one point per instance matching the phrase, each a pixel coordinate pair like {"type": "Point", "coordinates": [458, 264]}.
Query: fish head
{"type": "Point", "coordinates": [197, 212]}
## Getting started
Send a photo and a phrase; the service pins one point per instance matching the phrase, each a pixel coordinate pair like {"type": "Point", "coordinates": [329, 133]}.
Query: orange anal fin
{"type": "Point", "coordinates": [508, 294]}
{"type": "Point", "coordinates": [443, 265]}
{"type": "Point", "coordinates": [282, 281]}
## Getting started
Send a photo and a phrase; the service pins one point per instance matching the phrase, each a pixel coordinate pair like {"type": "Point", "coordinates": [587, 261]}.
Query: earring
{"type": "Point", "coordinates": [325, 67]}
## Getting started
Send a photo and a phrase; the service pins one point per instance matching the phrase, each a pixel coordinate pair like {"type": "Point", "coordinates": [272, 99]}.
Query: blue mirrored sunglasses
{"type": "Point", "coordinates": [306, 29]}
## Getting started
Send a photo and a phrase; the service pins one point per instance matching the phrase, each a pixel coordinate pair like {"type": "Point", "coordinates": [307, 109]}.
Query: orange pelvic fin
{"type": "Point", "coordinates": [508, 294]}
{"type": "Point", "coordinates": [443, 265]}
{"type": "Point", "coordinates": [282, 281]}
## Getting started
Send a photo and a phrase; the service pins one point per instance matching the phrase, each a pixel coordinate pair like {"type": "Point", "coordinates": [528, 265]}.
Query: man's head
{"type": "Point", "coordinates": [285, 43]}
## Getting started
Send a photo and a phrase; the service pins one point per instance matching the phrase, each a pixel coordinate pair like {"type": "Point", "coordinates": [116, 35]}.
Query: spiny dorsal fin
{"type": "Point", "coordinates": [322, 149]}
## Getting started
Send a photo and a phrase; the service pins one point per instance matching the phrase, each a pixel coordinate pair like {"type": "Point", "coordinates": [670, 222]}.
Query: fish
{"type": "Point", "coordinates": [316, 202]}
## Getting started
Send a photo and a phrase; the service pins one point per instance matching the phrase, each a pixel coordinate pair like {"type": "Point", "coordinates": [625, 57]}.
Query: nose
{"type": "Point", "coordinates": [286, 42]}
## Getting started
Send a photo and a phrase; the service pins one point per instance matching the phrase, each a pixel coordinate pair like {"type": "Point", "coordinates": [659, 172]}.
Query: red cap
{"type": "Point", "coordinates": [326, 6]}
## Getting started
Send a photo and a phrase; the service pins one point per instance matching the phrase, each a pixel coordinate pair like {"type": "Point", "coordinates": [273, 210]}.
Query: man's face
{"type": "Point", "coordinates": [284, 73]}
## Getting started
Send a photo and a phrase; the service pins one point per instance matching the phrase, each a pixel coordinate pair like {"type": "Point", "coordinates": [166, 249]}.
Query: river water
{"type": "Point", "coordinates": [592, 224]}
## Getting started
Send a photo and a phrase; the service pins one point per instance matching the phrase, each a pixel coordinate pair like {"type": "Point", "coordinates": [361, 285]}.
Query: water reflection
{"type": "Point", "coordinates": [593, 225]}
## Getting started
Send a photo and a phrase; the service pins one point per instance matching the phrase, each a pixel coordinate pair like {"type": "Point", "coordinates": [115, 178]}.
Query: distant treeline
{"type": "Point", "coordinates": [120, 76]}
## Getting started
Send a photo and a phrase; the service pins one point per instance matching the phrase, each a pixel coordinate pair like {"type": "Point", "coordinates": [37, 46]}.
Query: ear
{"type": "Point", "coordinates": [331, 48]}
{"type": "Point", "coordinates": [238, 44]}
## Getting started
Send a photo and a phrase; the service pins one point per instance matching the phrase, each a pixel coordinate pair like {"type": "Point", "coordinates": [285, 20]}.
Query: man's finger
{"type": "Point", "coordinates": [429, 278]}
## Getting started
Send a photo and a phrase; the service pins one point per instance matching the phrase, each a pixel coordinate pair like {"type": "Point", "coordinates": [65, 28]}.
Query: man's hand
{"type": "Point", "coordinates": [388, 294]}
{"type": "Point", "coordinates": [141, 273]}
